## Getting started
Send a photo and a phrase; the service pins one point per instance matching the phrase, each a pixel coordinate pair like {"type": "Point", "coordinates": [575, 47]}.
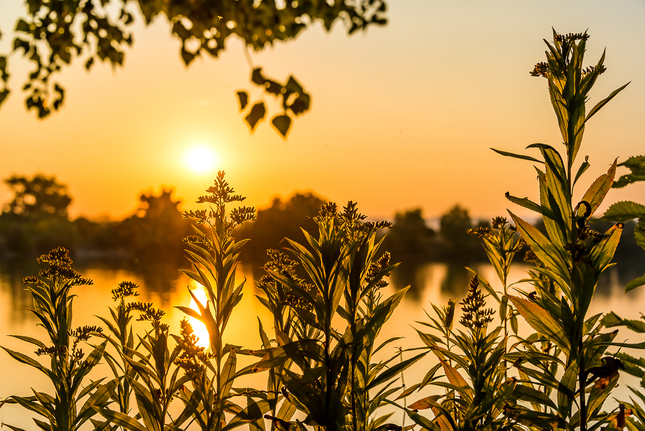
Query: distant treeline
{"type": "Point", "coordinates": [36, 220]}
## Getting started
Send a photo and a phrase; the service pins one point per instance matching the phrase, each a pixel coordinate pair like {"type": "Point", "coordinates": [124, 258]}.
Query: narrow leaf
{"type": "Point", "coordinates": [517, 156]}
{"type": "Point", "coordinates": [603, 102]}
{"type": "Point", "coordinates": [542, 322]}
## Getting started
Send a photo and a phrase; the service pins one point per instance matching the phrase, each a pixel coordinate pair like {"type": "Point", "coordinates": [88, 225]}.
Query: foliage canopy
{"type": "Point", "coordinates": [53, 33]}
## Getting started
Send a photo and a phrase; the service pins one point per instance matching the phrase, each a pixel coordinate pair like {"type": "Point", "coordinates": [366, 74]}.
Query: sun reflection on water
{"type": "Point", "coordinates": [198, 327]}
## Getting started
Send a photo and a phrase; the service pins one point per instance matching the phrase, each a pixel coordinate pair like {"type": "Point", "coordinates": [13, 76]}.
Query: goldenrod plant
{"type": "Point", "coordinates": [213, 253]}
{"type": "Point", "coordinates": [554, 364]}
{"type": "Point", "coordinates": [157, 383]}
{"type": "Point", "coordinates": [71, 404]}
{"type": "Point", "coordinates": [121, 338]}
{"type": "Point", "coordinates": [332, 378]}
{"type": "Point", "coordinates": [501, 243]}
{"type": "Point", "coordinates": [477, 390]}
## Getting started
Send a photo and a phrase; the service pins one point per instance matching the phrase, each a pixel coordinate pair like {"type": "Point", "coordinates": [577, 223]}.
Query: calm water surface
{"type": "Point", "coordinates": [430, 283]}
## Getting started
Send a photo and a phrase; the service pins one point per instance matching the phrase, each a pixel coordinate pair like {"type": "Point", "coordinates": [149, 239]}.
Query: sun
{"type": "Point", "coordinates": [201, 159]}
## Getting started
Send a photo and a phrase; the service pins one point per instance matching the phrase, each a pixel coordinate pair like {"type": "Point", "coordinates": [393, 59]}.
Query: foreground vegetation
{"type": "Point", "coordinates": [321, 355]}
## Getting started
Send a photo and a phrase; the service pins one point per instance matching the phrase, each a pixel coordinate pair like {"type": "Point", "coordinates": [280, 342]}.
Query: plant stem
{"type": "Point", "coordinates": [583, 384]}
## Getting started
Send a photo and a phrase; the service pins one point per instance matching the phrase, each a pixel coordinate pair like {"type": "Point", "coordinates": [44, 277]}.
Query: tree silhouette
{"type": "Point", "coordinates": [156, 229]}
{"type": "Point", "coordinates": [410, 238]}
{"type": "Point", "coordinates": [36, 219]}
{"type": "Point", "coordinates": [458, 244]}
{"type": "Point", "coordinates": [37, 197]}
{"type": "Point", "coordinates": [280, 220]}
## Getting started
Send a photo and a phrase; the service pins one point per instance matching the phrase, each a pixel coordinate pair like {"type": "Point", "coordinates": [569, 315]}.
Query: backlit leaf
{"type": "Point", "coordinates": [603, 252]}
{"type": "Point", "coordinates": [3, 95]}
{"type": "Point", "coordinates": [598, 190]}
{"type": "Point", "coordinates": [243, 97]}
{"type": "Point", "coordinates": [639, 232]}
{"type": "Point", "coordinates": [542, 322]}
{"type": "Point", "coordinates": [457, 380]}
{"type": "Point", "coordinates": [633, 284]}
{"type": "Point", "coordinates": [603, 102]}
{"type": "Point", "coordinates": [548, 254]}
{"type": "Point", "coordinates": [256, 76]}
{"type": "Point", "coordinates": [121, 419]}
{"type": "Point", "coordinates": [517, 156]}
{"type": "Point", "coordinates": [624, 211]}
{"type": "Point", "coordinates": [301, 104]}
{"type": "Point", "coordinates": [256, 114]}
{"type": "Point", "coordinates": [525, 202]}
{"type": "Point", "coordinates": [424, 403]}
{"type": "Point", "coordinates": [282, 124]}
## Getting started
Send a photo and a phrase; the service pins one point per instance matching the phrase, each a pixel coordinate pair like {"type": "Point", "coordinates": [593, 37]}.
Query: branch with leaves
{"type": "Point", "coordinates": [53, 33]}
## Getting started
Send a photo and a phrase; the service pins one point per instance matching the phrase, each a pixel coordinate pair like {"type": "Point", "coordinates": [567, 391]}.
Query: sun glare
{"type": "Point", "coordinates": [201, 159]}
{"type": "Point", "coordinates": [198, 327]}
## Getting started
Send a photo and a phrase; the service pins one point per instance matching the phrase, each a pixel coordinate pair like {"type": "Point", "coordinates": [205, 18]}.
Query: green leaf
{"type": "Point", "coordinates": [566, 390]}
{"type": "Point", "coordinates": [639, 232]}
{"type": "Point", "coordinates": [633, 284]}
{"type": "Point", "coordinates": [532, 395]}
{"type": "Point", "coordinates": [3, 95]}
{"type": "Point", "coordinates": [19, 43]}
{"type": "Point", "coordinates": [31, 340]}
{"type": "Point", "coordinates": [293, 86]}
{"type": "Point", "coordinates": [603, 102]}
{"type": "Point", "coordinates": [582, 169]}
{"type": "Point", "coordinates": [282, 124]}
{"type": "Point", "coordinates": [598, 190]}
{"type": "Point", "coordinates": [272, 87]}
{"type": "Point", "coordinates": [548, 254]}
{"type": "Point", "coordinates": [256, 114]}
{"type": "Point", "coordinates": [424, 403]}
{"type": "Point", "coordinates": [192, 313]}
{"type": "Point", "coordinates": [624, 211]}
{"type": "Point", "coordinates": [27, 360]}
{"type": "Point", "coordinates": [457, 380]}
{"type": "Point", "coordinates": [228, 374]}
{"type": "Point", "coordinates": [524, 202]}
{"type": "Point", "coordinates": [542, 322]}
{"type": "Point", "coordinates": [531, 418]}
{"type": "Point", "coordinates": [186, 56]}
{"type": "Point", "coordinates": [517, 156]}
{"type": "Point", "coordinates": [391, 372]}
{"type": "Point", "coordinates": [121, 419]}
{"type": "Point", "coordinates": [637, 165]}
{"type": "Point", "coordinates": [30, 403]}
{"type": "Point", "coordinates": [243, 97]}
{"type": "Point", "coordinates": [612, 319]}
{"type": "Point", "coordinates": [256, 76]}
{"type": "Point", "coordinates": [14, 428]}
{"type": "Point", "coordinates": [301, 104]}
{"type": "Point", "coordinates": [603, 252]}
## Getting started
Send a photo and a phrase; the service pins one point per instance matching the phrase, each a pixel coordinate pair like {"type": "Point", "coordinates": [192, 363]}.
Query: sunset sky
{"type": "Point", "coordinates": [402, 116]}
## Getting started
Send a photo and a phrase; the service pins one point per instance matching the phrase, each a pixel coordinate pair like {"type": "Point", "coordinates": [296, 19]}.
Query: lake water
{"type": "Point", "coordinates": [430, 283]}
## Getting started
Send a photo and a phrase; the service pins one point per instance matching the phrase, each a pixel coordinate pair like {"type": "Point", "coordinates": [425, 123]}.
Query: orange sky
{"type": "Point", "coordinates": [402, 116]}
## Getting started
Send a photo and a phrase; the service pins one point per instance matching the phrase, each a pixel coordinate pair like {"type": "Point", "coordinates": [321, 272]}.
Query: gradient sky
{"type": "Point", "coordinates": [402, 116]}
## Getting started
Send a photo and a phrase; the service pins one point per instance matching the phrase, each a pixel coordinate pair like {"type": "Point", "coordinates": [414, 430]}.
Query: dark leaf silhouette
{"type": "Point", "coordinates": [243, 97]}
{"type": "Point", "coordinates": [257, 113]}
{"type": "Point", "coordinates": [282, 123]}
